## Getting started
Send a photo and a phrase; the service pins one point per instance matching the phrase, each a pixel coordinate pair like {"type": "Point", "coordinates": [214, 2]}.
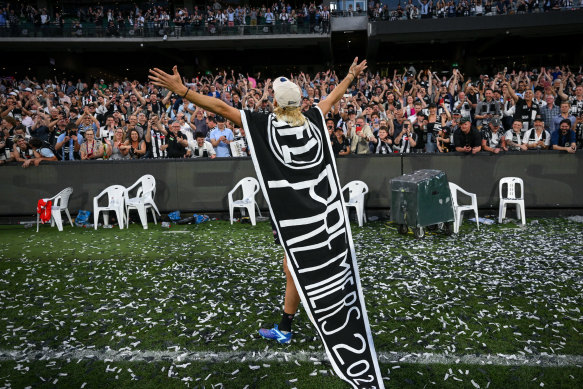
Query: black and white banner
{"type": "Point", "coordinates": [297, 172]}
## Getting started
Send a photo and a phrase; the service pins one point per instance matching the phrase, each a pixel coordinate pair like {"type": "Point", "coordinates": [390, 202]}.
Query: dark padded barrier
{"type": "Point", "coordinates": [551, 179]}
{"type": "Point", "coordinates": [375, 171]}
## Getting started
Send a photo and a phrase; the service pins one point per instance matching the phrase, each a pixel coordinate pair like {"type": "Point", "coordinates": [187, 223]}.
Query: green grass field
{"type": "Point", "coordinates": [180, 307]}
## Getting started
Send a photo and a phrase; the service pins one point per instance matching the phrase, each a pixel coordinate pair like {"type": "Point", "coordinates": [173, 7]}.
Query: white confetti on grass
{"type": "Point", "coordinates": [449, 296]}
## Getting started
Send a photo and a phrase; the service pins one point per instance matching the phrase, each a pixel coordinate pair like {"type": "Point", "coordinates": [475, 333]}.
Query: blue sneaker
{"type": "Point", "coordinates": [276, 334]}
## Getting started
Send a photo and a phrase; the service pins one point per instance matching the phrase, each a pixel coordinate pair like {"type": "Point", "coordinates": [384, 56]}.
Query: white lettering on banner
{"type": "Point", "coordinates": [343, 303]}
{"type": "Point", "coordinates": [332, 288]}
{"type": "Point", "coordinates": [311, 185]}
{"type": "Point", "coordinates": [351, 349]}
{"type": "Point", "coordinates": [355, 309]}
{"type": "Point", "coordinates": [343, 264]}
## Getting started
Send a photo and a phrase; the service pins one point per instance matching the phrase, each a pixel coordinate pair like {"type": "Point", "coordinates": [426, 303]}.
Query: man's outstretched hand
{"type": "Point", "coordinates": [172, 81]}
{"type": "Point", "coordinates": [357, 68]}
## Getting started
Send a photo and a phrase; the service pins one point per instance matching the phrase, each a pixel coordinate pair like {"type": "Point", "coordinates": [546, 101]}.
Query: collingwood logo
{"type": "Point", "coordinates": [297, 147]}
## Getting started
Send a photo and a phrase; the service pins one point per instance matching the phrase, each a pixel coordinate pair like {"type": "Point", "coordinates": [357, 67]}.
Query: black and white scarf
{"type": "Point", "coordinates": [297, 172]}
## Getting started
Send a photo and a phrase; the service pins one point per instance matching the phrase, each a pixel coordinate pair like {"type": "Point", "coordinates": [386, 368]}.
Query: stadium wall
{"type": "Point", "coordinates": [551, 178]}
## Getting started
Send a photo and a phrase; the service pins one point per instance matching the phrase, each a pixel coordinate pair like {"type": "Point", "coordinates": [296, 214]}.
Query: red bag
{"type": "Point", "coordinates": [44, 210]}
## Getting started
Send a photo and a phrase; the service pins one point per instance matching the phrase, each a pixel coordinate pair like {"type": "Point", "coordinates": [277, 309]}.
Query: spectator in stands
{"type": "Point", "coordinates": [39, 128]}
{"type": "Point", "coordinates": [579, 130]}
{"type": "Point", "coordinates": [433, 125]}
{"type": "Point", "coordinates": [5, 154]}
{"type": "Point", "coordinates": [21, 150]}
{"type": "Point", "coordinates": [487, 109]}
{"type": "Point", "coordinates": [466, 138]}
{"type": "Point", "coordinates": [406, 140]}
{"type": "Point", "coordinates": [176, 141]}
{"type": "Point", "coordinates": [576, 101]}
{"type": "Point", "coordinates": [221, 138]}
{"type": "Point", "coordinates": [87, 121]}
{"type": "Point", "coordinates": [549, 112]}
{"type": "Point", "coordinates": [157, 131]}
{"type": "Point", "coordinates": [564, 138]}
{"type": "Point", "coordinates": [91, 148]}
{"type": "Point", "coordinates": [202, 148]}
{"type": "Point", "coordinates": [382, 142]}
{"type": "Point", "coordinates": [40, 153]}
{"type": "Point", "coordinates": [464, 105]}
{"type": "Point", "coordinates": [493, 139]}
{"type": "Point", "coordinates": [514, 137]}
{"type": "Point", "coordinates": [537, 138]}
{"type": "Point", "coordinates": [108, 130]}
{"type": "Point", "coordinates": [444, 138]}
{"type": "Point", "coordinates": [134, 146]}
{"type": "Point", "coordinates": [526, 109]}
{"type": "Point", "coordinates": [114, 149]}
{"type": "Point", "coordinates": [359, 135]}
{"type": "Point", "coordinates": [565, 114]}
{"type": "Point", "coordinates": [132, 123]}
{"type": "Point", "coordinates": [68, 143]}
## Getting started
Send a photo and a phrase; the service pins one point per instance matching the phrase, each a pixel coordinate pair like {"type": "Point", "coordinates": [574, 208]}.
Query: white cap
{"type": "Point", "coordinates": [287, 93]}
{"type": "Point", "coordinates": [27, 90]}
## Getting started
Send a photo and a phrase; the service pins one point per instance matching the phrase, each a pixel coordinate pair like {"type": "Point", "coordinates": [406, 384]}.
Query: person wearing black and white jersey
{"type": "Point", "coordinates": [107, 131]}
{"type": "Point", "coordinates": [382, 142]}
{"type": "Point", "coordinates": [537, 138]}
{"type": "Point", "coordinates": [525, 108]}
{"type": "Point", "coordinates": [575, 101]}
{"type": "Point", "coordinates": [434, 124]}
{"type": "Point", "coordinates": [406, 141]}
{"type": "Point", "coordinates": [445, 136]}
{"type": "Point", "coordinates": [493, 139]}
{"type": "Point", "coordinates": [21, 150]}
{"type": "Point", "coordinates": [579, 130]}
{"type": "Point", "coordinates": [487, 109]}
{"type": "Point", "coordinates": [514, 137]}
{"type": "Point", "coordinates": [464, 105]}
{"type": "Point", "coordinates": [158, 138]}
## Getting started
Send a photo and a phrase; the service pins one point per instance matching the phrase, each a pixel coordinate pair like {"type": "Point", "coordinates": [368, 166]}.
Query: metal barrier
{"type": "Point", "coordinates": [152, 30]}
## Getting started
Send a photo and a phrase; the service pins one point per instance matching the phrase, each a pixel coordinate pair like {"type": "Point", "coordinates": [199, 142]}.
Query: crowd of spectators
{"type": "Point", "coordinates": [426, 9]}
{"type": "Point", "coordinates": [203, 18]}
{"type": "Point", "coordinates": [416, 111]}
{"type": "Point", "coordinates": [217, 18]}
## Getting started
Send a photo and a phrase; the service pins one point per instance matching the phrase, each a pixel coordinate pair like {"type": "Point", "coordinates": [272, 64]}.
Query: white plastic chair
{"type": "Point", "coordinates": [60, 203]}
{"type": "Point", "coordinates": [144, 199]}
{"type": "Point", "coordinates": [511, 198]}
{"type": "Point", "coordinates": [116, 195]}
{"type": "Point", "coordinates": [250, 187]}
{"type": "Point", "coordinates": [458, 208]}
{"type": "Point", "coordinates": [356, 191]}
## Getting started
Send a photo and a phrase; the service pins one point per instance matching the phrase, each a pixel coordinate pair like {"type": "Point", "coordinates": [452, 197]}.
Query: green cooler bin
{"type": "Point", "coordinates": [420, 200]}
